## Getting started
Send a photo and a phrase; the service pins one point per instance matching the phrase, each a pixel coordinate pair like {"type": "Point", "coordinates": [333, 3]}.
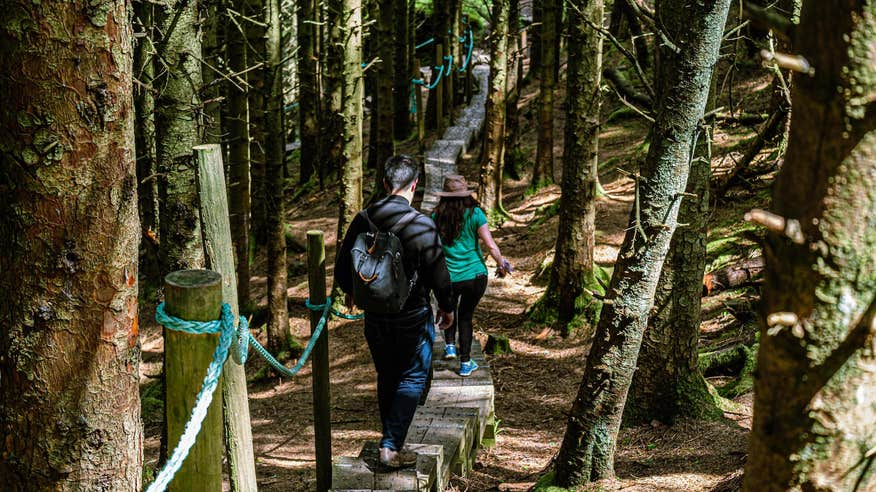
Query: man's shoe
{"type": "Point", "coordinates": [397, 459]}
{"type": "Point", "coordinates": [449, 351]}
{"type": "Point", "coordinates": [467, 367]}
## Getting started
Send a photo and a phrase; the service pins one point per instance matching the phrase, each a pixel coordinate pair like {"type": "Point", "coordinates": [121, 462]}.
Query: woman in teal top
{"type": "Point", "coordinates": [461, 222]}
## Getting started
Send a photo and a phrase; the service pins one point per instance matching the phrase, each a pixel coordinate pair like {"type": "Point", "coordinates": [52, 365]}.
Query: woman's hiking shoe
{"type": "Point", "coordinates": [449, 351]}
{"type": "Point", "coordinates": [467, 367]}
{"type": "Point", "coordinates": [397, 459]}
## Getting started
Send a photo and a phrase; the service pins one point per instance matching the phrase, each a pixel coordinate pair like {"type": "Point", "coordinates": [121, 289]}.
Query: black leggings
{"type": "Point", "coordinates": [466, 296]}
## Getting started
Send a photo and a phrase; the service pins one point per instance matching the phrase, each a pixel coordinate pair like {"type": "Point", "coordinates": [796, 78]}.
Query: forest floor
{"type": "Point", "coordinates": [536, 384]}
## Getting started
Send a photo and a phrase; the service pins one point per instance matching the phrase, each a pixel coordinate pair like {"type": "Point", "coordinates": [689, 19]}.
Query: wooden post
{"type": "Point", "coordinates": [439, 90]}
{"type": "Point", "coordinates": [220, 258]}
{"type": "Point", "coordinates": [322, 423]}
{"type": "Point", "coordinates": [421, 110]}
{"type": "Point", "coordinates": [468, 83]}
{"type": "Point", "coordinates": [194, 295]}
{"type": "Point", "coordinates": [448, 78]}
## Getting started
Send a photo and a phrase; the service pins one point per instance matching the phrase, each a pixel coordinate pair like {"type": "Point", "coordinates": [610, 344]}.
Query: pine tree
{"type": "Point", "coordinates": [490, 182]}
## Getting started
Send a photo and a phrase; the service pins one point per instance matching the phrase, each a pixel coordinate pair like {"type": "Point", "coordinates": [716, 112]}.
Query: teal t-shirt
{"type": "Point", "coordinates": [464, 258]}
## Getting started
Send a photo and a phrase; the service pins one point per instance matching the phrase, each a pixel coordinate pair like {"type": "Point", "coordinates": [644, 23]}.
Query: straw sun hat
{"type": "Point", "coordinates": [455, 186]}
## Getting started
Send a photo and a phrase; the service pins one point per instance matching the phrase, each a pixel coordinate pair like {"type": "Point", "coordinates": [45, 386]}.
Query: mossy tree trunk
{"type": "Point", "coordinates": [279, 336]}
{"type": "Point", "coordinates": [587, 451]}
{"type": "Point", "coordinates": [213, 48]}
{"type": "Point", "coordinates": [513, 157]}
{"type": "Point", "coordinates": [331, 108]}
{"type": "Point", "coordinates": [176, 132]}
{"type": "Point", "coordinates": [236, 123]}
{"type": "Point", "coordinates": [308, 102]}
{"type": "Point", "coordinates": [814, 401]}
{"type": "Point", "coordinates": [573, 258]}
{"type": "Point", "coordinates": [543, 170]}
{"type": "Point", "coordinates": [490, 182]}
{"type": "Point", "coordinates": [401, 76]}
{"type": "Point", "coordinates": [69, 345]}
{"type": "Point", "coordinates": [535, 41]}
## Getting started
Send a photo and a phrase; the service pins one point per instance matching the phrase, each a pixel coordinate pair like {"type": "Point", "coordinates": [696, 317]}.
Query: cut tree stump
{"type": "Point", "coordinates": [497, 345]}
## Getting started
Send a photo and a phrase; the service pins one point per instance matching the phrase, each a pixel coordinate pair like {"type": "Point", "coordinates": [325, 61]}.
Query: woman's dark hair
{"type": "Point", "coordinates": [449, 214]}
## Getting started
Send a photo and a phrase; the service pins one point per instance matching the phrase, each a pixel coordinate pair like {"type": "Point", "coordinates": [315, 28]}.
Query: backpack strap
{"type": "Point", "coordinates": [404, 222]}
{"type": "Point", "coordinates": [371, 224]}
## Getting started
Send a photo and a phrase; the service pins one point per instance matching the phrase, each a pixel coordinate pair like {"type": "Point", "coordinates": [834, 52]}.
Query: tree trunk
{"type": "Point", "coordinates": [814, 405]}
{"type": "Point", "coordinates": [384, 146]}
{"type": "Point", "coordinates": [401, 48]}
{"type": "Point", "coordinates": [256, 36]}
{"type": "Point", "coordinates": [331, 109]}
{"type": "Point", "coordinates": [573, 259]}
{"type": "Point", "coordinates": [587, 452]}
{"type": "Point", "coordinates": [348, 20]}
{"type": "Point", "coordinates": [212, 46]}
{"type": "Point", "coordinates": [308, 105]}
{"type": "Point", "coordinates": [535, 41]}
{"type": "Point", "coordinates": [176, 132]}
{"type": "Point", "coordinates": [279, 336]}
{"type": "Point", "coordinates": [69, 346]}
{"type": "Point", "coordinates": [543, 171]}
{"type": "Point", "coordinates": [513, 157]}
{"type": "Point", "coordinates": [236, 123]}
{"type": "Point", "coordinates": [668, 383]}
{"type": "Point", "coordinates": [490, 182]}
{"type": "Point", "coordinates": [144, 140]}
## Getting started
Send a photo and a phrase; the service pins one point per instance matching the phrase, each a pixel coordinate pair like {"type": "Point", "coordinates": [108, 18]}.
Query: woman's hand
{"type": "Point", "coordinates": [504, 268]}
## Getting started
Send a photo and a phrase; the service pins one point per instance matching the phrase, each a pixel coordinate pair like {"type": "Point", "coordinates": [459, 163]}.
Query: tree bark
{"type": "Point", "coordinates": [384, 146]}
{"type": "Point", "coordinates": [144, 140]}
{"type": "Point", "coordinates": [236, 123]}
{"type": "Point", "coordinates": [543, 171]}
{"type": "Point", "coordinates": [490, 182]}
{"type": "Point", "coordinates": [176, 132]}
{"type": "Point", "coordinates": [573, 259]}
{"type": "Point", "coordinates": [401, 48]}
{"type": "Point", "coordinates": [256, 38]}
{"type": "Point", "coordinates": [331, 108]}
{"type": "Point", "coordinates": [535, 41]}
{"type": "Point", "coordinates": [69, 345]}
{"type": "Point", "coordinates": [513, 157]}
{"type": "Point", "coordinates": [814, 405]}
{"type": "Point", "coordinates": [347, 27]}
{"type": "Point", "coordinates": [308, 105]}
{"type": "Point", "coordinates": [587, 452]}
{"type": "Point", "coordinates": [279, 336]}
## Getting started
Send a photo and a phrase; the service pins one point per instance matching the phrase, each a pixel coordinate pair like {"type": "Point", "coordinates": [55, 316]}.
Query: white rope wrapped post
{"type": "Point", "coordinates": [193, 295]}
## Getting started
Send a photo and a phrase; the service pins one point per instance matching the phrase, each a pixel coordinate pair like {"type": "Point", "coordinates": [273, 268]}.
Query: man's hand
{"type": "Point", "coordinates": [348, 301]}
{"type": "Point", "coordinates": [445, 319]}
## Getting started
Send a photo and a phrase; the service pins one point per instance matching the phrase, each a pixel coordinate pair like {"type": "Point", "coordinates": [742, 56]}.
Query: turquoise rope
{"type": "Point", "coordinates": [435, 83]}
{"type": "Point", "coordinates": [425, 43]}
{"type": "Point", "coordinates": [448, 64]}
{"type": "Point", "coordinates": [470, 37]}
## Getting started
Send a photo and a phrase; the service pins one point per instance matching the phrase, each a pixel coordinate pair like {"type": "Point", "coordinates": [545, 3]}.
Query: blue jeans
{"type": "Point", "coordinates": [401, 347]}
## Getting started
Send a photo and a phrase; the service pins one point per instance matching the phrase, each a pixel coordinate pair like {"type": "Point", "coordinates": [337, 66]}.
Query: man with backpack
{"type": "Point", "coordinates": [390, 259]}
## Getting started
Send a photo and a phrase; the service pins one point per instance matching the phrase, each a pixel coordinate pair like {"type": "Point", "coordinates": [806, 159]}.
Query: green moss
{"type": "Point", "coordinates": [744, 383]}
{"type": "Point", "coordinates": [545, 213]}
{"type": "Point", "coordinates": [587, 308]}
{"type": "Point", "coordinates": [545, 483]}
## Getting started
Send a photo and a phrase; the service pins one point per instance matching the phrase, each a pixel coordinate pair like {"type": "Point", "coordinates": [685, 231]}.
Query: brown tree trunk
{"type": "Point", "coordinates": [543, 171]}
{"type": "Point", "coordinates": [69, 345]}
{"type": "Point", "coordinates": [384, 145]}
{"type": "Point", "coordinates": [490, 182]}
{"type": "Point", "coordinates": [236, 123]}
{"type": "Point", "coordinates": [587, 452]}
{"type": "Point", "coordinates": [814, 401]}
{"type": "Point", "coordinates": [401, 49]}
{"type": "Point", "coordinates": [256, 35]}
{"type": "Point", "coordinates": [308, 106]}
{"type": "Point", "coordinates": [279, 336]}
{"type": "Point", "coordinates": [573, 259]}
{"type": "Point", "coordinates": [513, 154]}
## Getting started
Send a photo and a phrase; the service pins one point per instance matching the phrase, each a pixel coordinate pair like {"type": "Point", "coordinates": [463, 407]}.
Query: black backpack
{"type": "Point", "coordinates": [380, 283]}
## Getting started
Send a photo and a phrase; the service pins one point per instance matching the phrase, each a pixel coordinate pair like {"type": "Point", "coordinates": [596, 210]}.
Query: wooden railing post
{"type": "Point", "coordinates": [219, 255]}
{"type": "Point", "coordinates": [322, 424]}
{"type": "Point", "coordinates": [439, 91]}
{"type": "Point", "coordinates": [194, 295]}
{"type": "Point", "coordinates": [421, 110]}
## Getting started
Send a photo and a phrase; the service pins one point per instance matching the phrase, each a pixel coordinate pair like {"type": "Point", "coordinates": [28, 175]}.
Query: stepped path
{"type": "Point", "coordinates": [456, 415]}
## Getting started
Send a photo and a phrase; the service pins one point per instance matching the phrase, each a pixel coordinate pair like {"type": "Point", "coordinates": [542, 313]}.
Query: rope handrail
{"type": "Point", "coordinates": [224, 326]}
{"type": "Point", "coordinates": [470, 36]}
{"type": "Point", "coordinates": [424, 43]}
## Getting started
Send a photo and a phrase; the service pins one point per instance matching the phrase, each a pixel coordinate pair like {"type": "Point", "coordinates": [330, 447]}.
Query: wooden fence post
{"type": "Point", "coordinates": [421, 110]}
{"type": "Point", "coordinates": [322, 423]}
{"type": "Point", "coordinates": [194, 295]}
{"type": "Point", "coordinates": [220, 258]}
{"type": "Point", "coordinates": [439, 90]}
